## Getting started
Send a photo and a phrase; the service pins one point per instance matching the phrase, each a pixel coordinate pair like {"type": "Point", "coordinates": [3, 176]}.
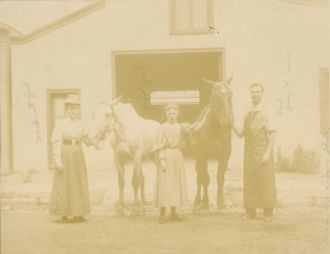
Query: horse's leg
{"type": "Point", "coordinates": [143, 199]}
{"type": "Point", "coordinates": [198, 198]}
{"type": "Point", "coordinates": [201, 166]}
{"type": "Point", "coordinates": [222, 167]}
{"type": "Point", "coordinates": [221, 180]}
{"type": "Point", "coordinates": [119, 164]}
{"type": "Point", "coordinates": [121, 177]}
{"type": "Point", "coordinates": [137, 175]}
{"type": "Point", "coordinates": [205, 183]}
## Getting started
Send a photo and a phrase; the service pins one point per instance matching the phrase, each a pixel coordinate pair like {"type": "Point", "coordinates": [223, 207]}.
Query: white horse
{"type": "Point", "coordinates": [130, 135]}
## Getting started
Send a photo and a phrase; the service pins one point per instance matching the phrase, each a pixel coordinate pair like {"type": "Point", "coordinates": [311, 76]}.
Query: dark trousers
{"type": "Point", "coordinates": [268, 212]}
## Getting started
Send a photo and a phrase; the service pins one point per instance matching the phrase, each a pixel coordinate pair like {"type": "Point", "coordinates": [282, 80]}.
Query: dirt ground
{"type": "Point", "coordinates": [301, 223]}
{"type": "Point", "coordinates": [293, 231]}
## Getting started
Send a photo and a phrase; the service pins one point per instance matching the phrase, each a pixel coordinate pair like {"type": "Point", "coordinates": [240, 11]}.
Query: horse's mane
{"type": "Point", "coordinates": [106, 103]}
{"type": "Point", "coordinates": [128, 112]}
{"type": "Point", "coordinates": [203, 113]}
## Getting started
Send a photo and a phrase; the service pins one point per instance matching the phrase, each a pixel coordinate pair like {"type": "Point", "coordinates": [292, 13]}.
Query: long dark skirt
{"type": "Point", "coordinates": [70, 193]}
{"type": "Point", "coordinates": [259, 185]}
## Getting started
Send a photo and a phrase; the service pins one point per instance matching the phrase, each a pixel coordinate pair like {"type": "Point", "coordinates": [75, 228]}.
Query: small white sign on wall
{"type": "Point", "coordinates": [178, 96]}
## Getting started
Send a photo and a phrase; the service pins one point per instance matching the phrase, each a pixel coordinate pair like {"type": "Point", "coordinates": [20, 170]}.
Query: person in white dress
{"type": "Point", "coordinates": [171, 187]}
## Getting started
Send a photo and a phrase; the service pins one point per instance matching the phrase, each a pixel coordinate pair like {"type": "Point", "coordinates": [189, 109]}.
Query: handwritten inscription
{"type": "Point", "coordinates": [326, 164]}
{"type": "Point", "coordinates": [32, 110]}
{"type": "Point", "coordinates": [284, 99]}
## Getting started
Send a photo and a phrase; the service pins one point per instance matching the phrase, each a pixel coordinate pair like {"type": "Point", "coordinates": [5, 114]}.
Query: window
{"type": "Point", "coordinates": [324, 100]}
{"type": "Point", "coordinates": [308, 2]}
{"type": "Point", "coordinates": [191, 16]}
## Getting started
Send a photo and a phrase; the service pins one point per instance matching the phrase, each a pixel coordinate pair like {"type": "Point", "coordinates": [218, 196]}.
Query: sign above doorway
{"type": "Point", "coordinates": [177, 96]}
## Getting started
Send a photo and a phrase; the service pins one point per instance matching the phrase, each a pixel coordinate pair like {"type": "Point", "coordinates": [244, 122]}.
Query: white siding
{"type": "Point", "coordinates": [261, 39]}
{"type": "Point", "coordinates": [5, 100]}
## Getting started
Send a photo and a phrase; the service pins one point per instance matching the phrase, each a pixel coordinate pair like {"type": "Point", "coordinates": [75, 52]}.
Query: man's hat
{"type": "Point", "coordinates": [72, 99]}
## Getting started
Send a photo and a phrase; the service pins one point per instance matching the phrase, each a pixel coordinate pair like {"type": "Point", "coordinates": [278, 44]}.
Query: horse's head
{"type": "Point", "coordinates": [108, 117]}
{"type": "Point", "coordinates": [101, 124]}
{"type": "Point", "coordinates": [121, 109]}
{"type": "Point", "coordinates": [221, 101]}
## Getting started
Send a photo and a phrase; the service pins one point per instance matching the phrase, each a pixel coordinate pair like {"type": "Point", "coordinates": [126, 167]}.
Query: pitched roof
{"type": "Point", "coordinates": [40, 20]}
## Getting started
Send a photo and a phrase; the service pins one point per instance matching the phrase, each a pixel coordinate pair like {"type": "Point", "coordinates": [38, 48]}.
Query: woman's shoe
{"type": "Point", "coordinates": [161, 220]}
{"type": "Point", "coordinates": [63, 219]}
{"type": "Point", "coordinates": [175, 217]}
{"type": "Point", "coordinates": [251, 214]}
{"type": "Point", "coordinates": [77, 219]}
{"type": "Point", "coordinates": [268, 218]}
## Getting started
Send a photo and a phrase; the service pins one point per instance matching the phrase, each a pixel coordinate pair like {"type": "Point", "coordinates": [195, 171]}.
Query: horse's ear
{"type": "Point", "coordinates": [210, 82]}
{"type": "Point", "coordinates": [115, 101]}
{"type": "Point", "coordinates": [230, 79]}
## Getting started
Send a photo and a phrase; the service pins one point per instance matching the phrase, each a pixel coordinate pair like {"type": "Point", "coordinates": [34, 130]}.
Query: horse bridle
{"type": "Point", "coordinates": [208, 108]}
{"type": "Point", "coordinates": [101, 135]}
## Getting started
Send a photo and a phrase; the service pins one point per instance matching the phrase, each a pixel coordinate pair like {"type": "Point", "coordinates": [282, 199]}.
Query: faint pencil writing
{"type": "Point", "coordinates": [32, 110]}
{"type": "Point", "coordinates": [284, 99]}
{"type": "Point", "coordinates": [326, 164]}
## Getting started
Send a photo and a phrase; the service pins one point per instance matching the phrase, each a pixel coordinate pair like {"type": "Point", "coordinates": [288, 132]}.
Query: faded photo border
{"type": "Point", "coordinates": [165, 126]}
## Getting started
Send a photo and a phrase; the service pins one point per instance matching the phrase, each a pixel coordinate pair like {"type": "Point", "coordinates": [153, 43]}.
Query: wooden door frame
{"type": "Point", "coordinates": [323, 71]}
{"type": "Point", "coordinates": [114, 54]}
{"type": "Point", "coordinates": [51, 92]}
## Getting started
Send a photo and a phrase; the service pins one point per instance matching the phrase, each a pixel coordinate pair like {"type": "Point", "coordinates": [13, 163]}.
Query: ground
{"type": "Point", "coordinates": [301, 223]}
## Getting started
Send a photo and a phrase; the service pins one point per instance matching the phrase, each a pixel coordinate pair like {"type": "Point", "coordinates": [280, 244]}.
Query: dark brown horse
{"type": "Point", "coordinates": [212, 131]}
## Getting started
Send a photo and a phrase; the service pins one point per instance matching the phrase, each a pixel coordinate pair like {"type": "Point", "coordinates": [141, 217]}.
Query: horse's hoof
{"type": "Point", "coordinates": [120, 204]}
{"type": "Point", "coordinates": [119, 213]}
{"type": "Point", "coordinates": [135, 204]}
{"type": "Point", "coordinates": [134, 213]}
{"type": "Point", "coordinates": [205, 204]}
{"type": "Point", "coordinates": [197, 203]}
{"type": "Point", "coordinates": [196, 209]}
{"type": "Point", "coordinates": [222, 206]}
{"type": "Point", "coordinates": [205, 208]}
{"type": "Point", "coordinates": [142, 212]}
{"type": "Point", "coordinates": [142, 203]}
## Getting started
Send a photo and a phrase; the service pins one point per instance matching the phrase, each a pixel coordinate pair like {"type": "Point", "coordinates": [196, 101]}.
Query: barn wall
{"type": "Point", "coordinates": [270, 42]}
{"type": "Point", "coordinates": [5, 105]}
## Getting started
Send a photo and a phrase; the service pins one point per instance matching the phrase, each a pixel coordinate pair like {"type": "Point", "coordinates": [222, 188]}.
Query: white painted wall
{"type": "Point", "coordinates": [257, 36]}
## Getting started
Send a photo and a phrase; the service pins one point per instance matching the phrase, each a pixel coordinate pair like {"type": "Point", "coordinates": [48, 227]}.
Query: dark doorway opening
{"type": "Point", "coordinates": [139, 74]}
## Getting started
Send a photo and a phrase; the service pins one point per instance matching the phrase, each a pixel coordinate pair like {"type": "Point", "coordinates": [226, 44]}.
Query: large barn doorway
{"type": "Point", "coordinates": [150, 78]}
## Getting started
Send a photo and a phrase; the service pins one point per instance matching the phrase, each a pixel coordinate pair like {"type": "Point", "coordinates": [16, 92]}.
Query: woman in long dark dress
{"type": "Point", "coordinates": [259, 175]}
{"type": "Point", "coordinates": [70, 193]}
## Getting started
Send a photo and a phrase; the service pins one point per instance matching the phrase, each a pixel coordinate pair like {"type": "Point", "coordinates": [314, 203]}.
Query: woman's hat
{"type": "Point", "coordinates": [72, 99]}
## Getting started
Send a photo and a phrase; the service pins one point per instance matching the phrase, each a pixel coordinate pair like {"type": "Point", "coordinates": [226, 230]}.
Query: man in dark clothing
{"type": "Point", "coordinates": [259, 176]}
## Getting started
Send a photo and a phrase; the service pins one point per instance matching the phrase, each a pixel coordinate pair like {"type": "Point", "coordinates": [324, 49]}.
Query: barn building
{"type": "Point", "coordinates": [154, 49]}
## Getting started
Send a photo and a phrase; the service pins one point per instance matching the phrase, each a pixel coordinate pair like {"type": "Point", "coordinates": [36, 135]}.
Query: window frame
{"type": "Point", "coordinates": [324, 89]}
{"type": "Point", "coordinates": [321, 3]}
{"type": "Point", "coordinates": [191, 30]}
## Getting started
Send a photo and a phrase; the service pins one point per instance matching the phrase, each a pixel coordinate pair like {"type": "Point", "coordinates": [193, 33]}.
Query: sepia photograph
{"type": "Point", "coordinates": [165, 126]}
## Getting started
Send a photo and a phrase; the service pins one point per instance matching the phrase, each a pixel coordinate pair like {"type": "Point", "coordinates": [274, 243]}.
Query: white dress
{"type": "Point", "coordinates": [171, 186]}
